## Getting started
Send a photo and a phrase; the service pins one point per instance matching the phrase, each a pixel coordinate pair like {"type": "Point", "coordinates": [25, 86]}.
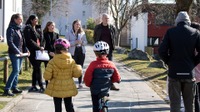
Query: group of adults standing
{"type": "Point", "coordinates": [33, 38]}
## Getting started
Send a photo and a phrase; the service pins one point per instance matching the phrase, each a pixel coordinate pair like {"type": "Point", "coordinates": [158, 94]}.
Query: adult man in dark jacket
{"type": "Point", "coordinates": [177, 50]}
{"type": "Point", "coordinates": [106, 32]}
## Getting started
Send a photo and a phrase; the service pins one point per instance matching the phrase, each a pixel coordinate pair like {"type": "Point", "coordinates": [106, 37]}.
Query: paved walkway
{"type": "Point", "coordinates": [134, 96]}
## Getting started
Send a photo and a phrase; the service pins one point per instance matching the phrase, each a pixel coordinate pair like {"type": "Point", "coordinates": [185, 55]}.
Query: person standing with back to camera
{"type": "Point", "coordinates": [16, 46]}
{"type": "Point", "coordinates": [77, 39]}
{"type": "Point", "coordinates": [50, 37]}
{"type": "Point", "coordinates": [177, 50]}
{"type": "Point", "coordinates": [34, 40]}
{"type": "Point", "coordinates": [106, 32]}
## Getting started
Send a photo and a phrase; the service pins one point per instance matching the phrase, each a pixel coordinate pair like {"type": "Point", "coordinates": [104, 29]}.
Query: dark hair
{"type": "Point", "coordinates": [80, 29]}
{"type": "Point", "coordinates": [59, 48]}
{"type": "Point", "coordinates": [195, 25]}
{"type": "Point", "coordinates": [31, 17]}
{"type": "Point", "coordinates": [13, 17]}
{"type": "Point", "coordinates": [47, 25]}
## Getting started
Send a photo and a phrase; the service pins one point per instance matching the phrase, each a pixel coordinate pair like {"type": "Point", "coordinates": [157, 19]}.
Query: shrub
{"type": "Point", "coordinates": [90, 24]}
{"type": "Point", "coordinates": [89, 36]}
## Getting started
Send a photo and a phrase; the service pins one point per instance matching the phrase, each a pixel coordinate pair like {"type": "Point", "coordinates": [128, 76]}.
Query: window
{"type": "Point", "coordinates": [153, 41]}
{"type": "Point", "coordinates": [84, 2]}
{"type": "Point", "coordinates": [83, 13]}
{"type": "Point", "coordinates": [0, 4]}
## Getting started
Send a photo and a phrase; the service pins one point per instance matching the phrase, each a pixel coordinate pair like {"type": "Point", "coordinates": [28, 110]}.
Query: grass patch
{"type": "Point", "coordinates": [156, 75]}
{"type": "Point", "coordinates": [3, 104]}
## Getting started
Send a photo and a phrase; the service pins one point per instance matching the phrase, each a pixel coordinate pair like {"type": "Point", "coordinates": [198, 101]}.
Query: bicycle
{"type": "Point", "coordinates": [103, 103]}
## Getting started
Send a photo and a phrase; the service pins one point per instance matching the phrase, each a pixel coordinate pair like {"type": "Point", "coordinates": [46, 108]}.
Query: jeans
{"type": "Point", "coordinates": [68, 104]}
{"type": "Point", "coordinates": [79, 58]}
{"type": "Point", "coordinates": [186, 87]}
{"type": "Point", "coordinates": [16, 67]}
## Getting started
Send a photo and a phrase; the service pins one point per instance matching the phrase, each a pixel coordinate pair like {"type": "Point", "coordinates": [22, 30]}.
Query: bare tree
{"type": "Point", "coordinates": [41, 7]}
{"type": "Point", "coordinates": [121, 11]}
{"type": "Point", "coordinates": [183, 5]}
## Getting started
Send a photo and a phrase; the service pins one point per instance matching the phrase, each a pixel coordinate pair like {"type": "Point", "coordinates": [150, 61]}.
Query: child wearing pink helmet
{"type": "Point", "coordinates": [60, 72]}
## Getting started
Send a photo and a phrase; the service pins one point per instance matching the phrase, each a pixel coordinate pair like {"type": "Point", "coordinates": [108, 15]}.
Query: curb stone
{"type": "Point", "coordinates": [14, 102]}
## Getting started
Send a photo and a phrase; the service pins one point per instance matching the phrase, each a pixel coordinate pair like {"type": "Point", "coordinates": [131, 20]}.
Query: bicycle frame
{"type": "Point", "coordinates": [103, 104]}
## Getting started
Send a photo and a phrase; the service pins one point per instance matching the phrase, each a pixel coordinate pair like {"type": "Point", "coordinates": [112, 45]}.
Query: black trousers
{"type": "Point", "coordinates": [197, 99]}
{"type": "Point", "coordinates": [79, 58]}
{"type": "Point", "coordinates": [95, 103]}
{"type": "Point", "coordinates": [68, 104]}
{"type": "Point", "coordinates": [110, 55]}
{"type": "Point", "coordinates": [37, 72]}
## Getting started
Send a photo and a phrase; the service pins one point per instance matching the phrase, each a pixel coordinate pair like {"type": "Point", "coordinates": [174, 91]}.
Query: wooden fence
{"type": "Point", "coordinates": [6, 67]}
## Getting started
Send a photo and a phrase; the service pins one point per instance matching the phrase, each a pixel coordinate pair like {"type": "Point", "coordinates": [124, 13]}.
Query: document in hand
{"type": "Point", "coordinates": [23, 55]}
{"type": "Point", "coordinates": [42, 55]}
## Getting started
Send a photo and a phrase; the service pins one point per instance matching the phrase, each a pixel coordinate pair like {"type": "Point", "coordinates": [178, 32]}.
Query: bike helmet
{"type": "Point", "coordinates": [101, 47]}
{"type": "Point", "coordinates": [64, 42]}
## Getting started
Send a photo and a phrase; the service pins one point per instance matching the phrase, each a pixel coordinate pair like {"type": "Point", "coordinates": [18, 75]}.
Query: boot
{"type": "Point", "coordinates": [8, 93]}
{"type": "Point", "coordinates": [16, 91]}
{"type": "Point", "coordinates": [114, 88]}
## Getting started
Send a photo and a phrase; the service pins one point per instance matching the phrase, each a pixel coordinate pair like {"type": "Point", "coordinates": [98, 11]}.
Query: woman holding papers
{"type": "Point", "coordinates": [16, 50]}
{"type": "Point", "coordinates": [34, 40]}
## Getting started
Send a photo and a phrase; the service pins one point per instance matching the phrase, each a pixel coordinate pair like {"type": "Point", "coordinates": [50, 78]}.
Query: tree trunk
{"type": "Point", "coordinates": [118, 38]}
{"type": "Point", "coordinates": [183, 5]}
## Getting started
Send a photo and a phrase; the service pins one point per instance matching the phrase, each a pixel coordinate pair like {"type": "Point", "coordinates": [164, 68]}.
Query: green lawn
{"type": "Point", "coordinates": [156, 75]}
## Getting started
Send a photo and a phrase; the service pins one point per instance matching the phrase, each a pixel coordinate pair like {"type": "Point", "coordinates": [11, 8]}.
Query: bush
{"type": "Point", "coordinates": [89, 36]}
{"type": "Point", "coordinates": [90, 24]}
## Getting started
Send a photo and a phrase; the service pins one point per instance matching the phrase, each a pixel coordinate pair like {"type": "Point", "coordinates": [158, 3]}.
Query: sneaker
{"type": "Point", "coordinates": [33, 89]}
{"type": "Point", "coordinates": [8, 93]}
{"type": "Point", "coordinates": [41, 90]}
{"type": "Point", "coordinates": [114, 88]}
{"type": "Point", "coordinates": [16, 91]}
{"type": "Point", "coordinates": [80, 86]}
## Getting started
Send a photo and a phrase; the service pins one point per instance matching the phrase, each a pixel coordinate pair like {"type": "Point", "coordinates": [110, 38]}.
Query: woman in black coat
{"type": "Point", "coordinates": [34, 39]}
{"type": "Point", "coordinates": [50, 37]}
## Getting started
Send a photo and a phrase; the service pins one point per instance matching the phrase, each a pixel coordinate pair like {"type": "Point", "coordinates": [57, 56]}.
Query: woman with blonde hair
{"type": "Point", "coordinates": [77, 39]}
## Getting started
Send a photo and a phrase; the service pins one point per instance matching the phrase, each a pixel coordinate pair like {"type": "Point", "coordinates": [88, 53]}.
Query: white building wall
{"type": "Point", "coordinates": [139, 32]}
{"type": "Point", "coordinates": [9, 8]}
{"type": "Point", "coordinates": [64, 17]}
{"type": "Point", "coordinates": [1, 18]}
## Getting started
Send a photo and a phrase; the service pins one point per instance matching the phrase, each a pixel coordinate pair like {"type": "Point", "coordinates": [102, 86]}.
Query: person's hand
{"type": "Point", "coordinates": [42, 49]}
{"type": "Point", "coordinates": [51, 54]}
{"type": "Point", "coordinates": [78, 41]}
{"type": "Point", "coordinates": [29, 53]}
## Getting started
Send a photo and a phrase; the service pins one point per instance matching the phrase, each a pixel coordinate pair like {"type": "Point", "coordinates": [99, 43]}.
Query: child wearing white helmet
{"type": "Point", "coordinates": [60, 72]}
{"type": "Point", "coordinates": [100, 74]}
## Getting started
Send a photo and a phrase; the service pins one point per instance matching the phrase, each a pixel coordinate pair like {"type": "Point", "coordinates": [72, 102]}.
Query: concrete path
{"type": "Point", "coordinates": [134, 96]}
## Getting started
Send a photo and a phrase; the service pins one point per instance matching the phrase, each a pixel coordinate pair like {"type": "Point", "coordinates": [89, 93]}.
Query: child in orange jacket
{"type": "Point", "coordinates": [100, 74]}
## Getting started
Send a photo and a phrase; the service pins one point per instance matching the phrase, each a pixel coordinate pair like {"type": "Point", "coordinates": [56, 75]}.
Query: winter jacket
{"type": "Point", "coordinates": [100, 74]}
{"type": "Point", "coordinates": [16, 45]}
{"type": "Point", "coordinates": [49, 39]}
{"type": "Point", "coordinates": [98, 32]}
{"type": "Point", "coordinates": [31, 38]}
{"type": "Point", "coordinates": [71, 37]}
{"type": "Point", "coordinates": [177, 50]}
{"type": "Point", "coordinates": [60, 71]}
